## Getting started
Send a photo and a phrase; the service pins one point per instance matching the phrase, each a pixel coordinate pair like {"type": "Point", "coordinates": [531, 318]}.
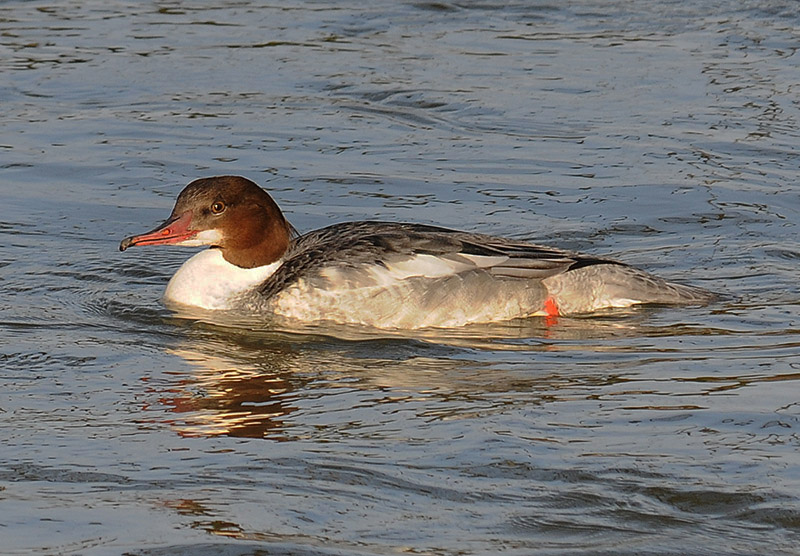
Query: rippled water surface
{"type": "Point", "coordinates": [662, 133]}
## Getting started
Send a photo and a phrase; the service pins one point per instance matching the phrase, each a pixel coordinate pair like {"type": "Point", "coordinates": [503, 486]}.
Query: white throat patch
{"type": "Point", "coordinates": [208, 281]}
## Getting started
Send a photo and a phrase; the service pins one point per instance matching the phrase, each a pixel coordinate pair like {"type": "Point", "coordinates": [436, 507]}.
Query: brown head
{"type": "Point", "coordinates": [228, 212]}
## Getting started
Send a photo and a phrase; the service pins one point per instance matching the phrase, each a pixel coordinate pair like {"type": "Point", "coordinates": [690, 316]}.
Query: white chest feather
{"type": "Point", "coordinates": [208, 281]}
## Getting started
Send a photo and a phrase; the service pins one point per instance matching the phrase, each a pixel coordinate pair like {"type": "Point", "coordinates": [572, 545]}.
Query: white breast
{"type": "Point", "coordinates": [208, 281]}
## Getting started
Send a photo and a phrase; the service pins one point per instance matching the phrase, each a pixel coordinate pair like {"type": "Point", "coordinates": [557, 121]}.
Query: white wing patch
{"type": "Point", "coordinates": [431, 266]}
{"type": "Point", "coordinates": [418, 266]}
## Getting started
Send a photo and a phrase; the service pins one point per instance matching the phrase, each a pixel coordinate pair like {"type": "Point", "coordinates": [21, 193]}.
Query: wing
{"type": "Point", "coordinates": [400, 251]}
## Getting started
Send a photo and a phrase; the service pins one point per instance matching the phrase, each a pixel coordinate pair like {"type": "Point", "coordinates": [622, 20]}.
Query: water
{"type": "Point", "coordinates": [664, 134]}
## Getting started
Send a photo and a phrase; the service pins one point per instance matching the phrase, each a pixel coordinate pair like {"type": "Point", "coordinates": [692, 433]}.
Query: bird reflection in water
{"type": "Point", "coordinates": [228, 396]}
{"type": "Point", "coordinates": [247, 383]}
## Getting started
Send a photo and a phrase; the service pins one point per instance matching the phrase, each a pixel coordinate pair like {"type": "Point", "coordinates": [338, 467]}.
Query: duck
{"type": "Point", "coordinates": [380, 274]}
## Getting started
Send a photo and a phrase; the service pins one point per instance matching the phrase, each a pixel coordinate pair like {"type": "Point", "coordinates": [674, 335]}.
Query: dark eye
{"type": "Point", "coordinates": [217, 207]}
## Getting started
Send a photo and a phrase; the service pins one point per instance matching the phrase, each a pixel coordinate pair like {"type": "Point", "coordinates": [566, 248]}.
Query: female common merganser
{"type": "Point", "coordinates": [381, 274]}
